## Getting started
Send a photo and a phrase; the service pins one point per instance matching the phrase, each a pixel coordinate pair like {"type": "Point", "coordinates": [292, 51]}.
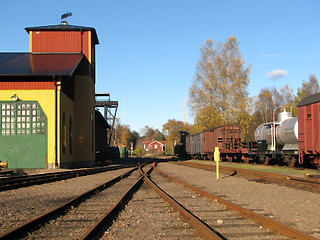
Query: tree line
{"type": "Point", "coordinates": [219, 96]}
{"type": "Point", "coordinates": [123, 136]}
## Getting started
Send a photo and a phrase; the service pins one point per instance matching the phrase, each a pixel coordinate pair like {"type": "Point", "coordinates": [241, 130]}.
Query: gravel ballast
{"type": "Point", "coordinates": [296, 208]}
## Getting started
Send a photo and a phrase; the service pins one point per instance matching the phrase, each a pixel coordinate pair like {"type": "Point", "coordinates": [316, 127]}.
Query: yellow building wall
{"type": "Point", "coordinates": [66, 109]}
{"type": "Point", "coordinates": [84, 124]}
{"type": "Point", "coordinates": [46, 99]}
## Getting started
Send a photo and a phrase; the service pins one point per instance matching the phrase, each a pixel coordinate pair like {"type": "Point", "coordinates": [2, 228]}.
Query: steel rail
{"type": "Point", "coordinates": [262, 220]}
{"type": "Point", "coordinates": [25, 181]}
{"type": "Point", "coordinates": [271, 175]}
{"type": "Point", "coordinates": [306, 184]}
{"type": "Point", "coordinates": [108, 216]}
{"type": "Point", "coordinates": [202, 228]}
{"type": "Point", "coordinates": [78, 172]}
{"type": "Point", "coordinates": [35, 222]}
{"type": "Point", "coordinates": [240, 171]}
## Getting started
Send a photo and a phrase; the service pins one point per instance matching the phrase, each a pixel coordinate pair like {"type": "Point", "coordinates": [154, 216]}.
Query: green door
{"type": "Point", "coordinates": [23, 139]}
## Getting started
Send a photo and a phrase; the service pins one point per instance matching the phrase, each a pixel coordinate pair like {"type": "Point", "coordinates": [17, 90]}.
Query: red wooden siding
{"type": "Point", "coordinates": [86, 47]}
{"type": "Point", "coordinates": [60, 42]}
{"type": "Point", "coordinates": [309, 128]}
{"type": "Point", "coordinates": [315, 114]}
{"type": "Point", "coordinates": [228, 138]}
{"type": "Point", "coordinates": [157, 145]}
{"type": "Point", "coordinates": [27, 85]}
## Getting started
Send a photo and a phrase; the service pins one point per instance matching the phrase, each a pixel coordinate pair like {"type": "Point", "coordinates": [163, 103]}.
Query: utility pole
{"type": "Point", "coordinates": [124, 110]}
{"type": "Point", "coordinates": [184, 113]}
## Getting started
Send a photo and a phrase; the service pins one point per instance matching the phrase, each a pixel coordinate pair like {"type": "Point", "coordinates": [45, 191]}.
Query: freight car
{"type": "Point", "coordinates": [281, 141]}
{"type": "Point", "coordinates": [228, 138]}
{"type": "Point", "coordinates": [292, 140]}
{"type": "Point", "coordinates": [309, 130]}
{"type": "Point", "coordinates": [277, 140]}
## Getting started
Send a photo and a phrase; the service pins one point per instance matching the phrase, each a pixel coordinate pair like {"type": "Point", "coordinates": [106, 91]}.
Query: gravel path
{"type": "Point", "coordinates": [296, 208]}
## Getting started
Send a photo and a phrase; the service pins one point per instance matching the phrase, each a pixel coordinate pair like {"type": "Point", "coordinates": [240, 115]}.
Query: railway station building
{"type": "Point", "coordinates": [47, 99]}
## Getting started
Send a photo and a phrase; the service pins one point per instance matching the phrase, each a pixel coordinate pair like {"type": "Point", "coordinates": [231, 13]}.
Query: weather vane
{"type": "Point", "coordinates": [66, 15]}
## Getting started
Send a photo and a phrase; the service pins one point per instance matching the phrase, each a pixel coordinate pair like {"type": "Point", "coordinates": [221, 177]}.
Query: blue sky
{"type": "Point", "coordinates": [149, 49]}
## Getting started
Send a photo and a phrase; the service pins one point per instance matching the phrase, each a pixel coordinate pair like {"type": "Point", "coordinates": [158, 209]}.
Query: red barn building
{"type": "Point", "coordinates": [47, 99]}
{"type": "Point", "coordinates": [159, 146]}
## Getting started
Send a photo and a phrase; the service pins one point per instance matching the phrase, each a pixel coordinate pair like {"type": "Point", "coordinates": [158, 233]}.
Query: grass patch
{"type": "Point", "coordinates": [265, 168]}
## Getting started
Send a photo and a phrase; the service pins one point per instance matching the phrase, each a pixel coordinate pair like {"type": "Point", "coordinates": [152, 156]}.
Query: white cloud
{"type": "Point", "coordinates": [271, 55]}
{"type": "Point", "coordinates": [276, 74]}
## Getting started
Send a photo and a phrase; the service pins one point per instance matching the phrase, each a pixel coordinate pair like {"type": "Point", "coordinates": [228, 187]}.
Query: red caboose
{"type": "Point", "coordinates": [309, 130]}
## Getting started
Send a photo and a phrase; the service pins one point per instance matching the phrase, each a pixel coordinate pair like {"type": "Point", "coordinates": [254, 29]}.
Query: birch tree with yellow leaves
{"type": "Point", "coordinates": [219, 95]}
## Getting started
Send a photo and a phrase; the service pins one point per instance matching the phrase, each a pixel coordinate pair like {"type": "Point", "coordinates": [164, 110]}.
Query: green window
{"type": "Point", "coordinates": [22, 118]}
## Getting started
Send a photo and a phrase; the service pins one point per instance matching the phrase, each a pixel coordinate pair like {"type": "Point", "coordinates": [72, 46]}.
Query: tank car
{"type": "Point", "coordinates": [289, 141]}
{"type": "Point", "coordinates": [278, 140]}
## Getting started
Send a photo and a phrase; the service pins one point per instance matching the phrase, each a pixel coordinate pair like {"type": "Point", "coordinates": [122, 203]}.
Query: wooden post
{"type": "Point", "coordinates": [217, 159]}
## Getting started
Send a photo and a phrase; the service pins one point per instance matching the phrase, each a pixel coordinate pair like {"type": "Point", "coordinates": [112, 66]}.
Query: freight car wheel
{"type": "Point", "coordinates": [292, 161]}
{"type": "Point", "coordinates": [246, 160]}
{"type": "Point", "coordinates": [264, 159]}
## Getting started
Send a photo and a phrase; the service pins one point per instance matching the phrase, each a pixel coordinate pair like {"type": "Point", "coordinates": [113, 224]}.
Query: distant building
{"type": "Point", "coordinates": [159, 146]}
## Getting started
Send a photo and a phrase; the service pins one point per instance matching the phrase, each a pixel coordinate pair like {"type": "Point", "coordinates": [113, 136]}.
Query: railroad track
{"type": "Point", "coordinates": [217, 218]}
{"type": "Point", "coordinates": [306, 184]}
{"type": "Point", "coordinates": [15, 182]}
{"type": "Point", "coordinates": [90, 215]}
{"type": "Point", "coordinates": [148, 216]}
{"type": "Point", "coordinates": [82, 216]}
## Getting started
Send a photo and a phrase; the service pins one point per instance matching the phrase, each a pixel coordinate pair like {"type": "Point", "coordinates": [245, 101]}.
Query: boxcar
{"type": "Point", "coordinates": [194, 145]}
{"type": "Point", "coordinates": [309, 130]}
{"type": "Point", "coordinates": [228, 138]}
